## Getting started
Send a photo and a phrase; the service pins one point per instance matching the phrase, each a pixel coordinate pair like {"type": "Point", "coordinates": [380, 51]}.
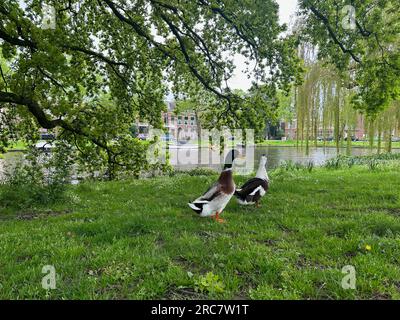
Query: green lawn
{"type": "Point", "coordinates": [330, 144]}
{"type": "Point", "coordinates": [17, 146]}
{"type": "Point", "coordinates": [139, 240]}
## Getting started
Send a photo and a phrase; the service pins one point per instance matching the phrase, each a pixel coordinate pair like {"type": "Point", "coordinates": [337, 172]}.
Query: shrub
{"type": "Point", "coordinates": [194, 172]}
{"type": "Point", "coordinates": [289, 165]}
{"type": "Point", "coordinates": [371, 161]}
{"type": "Point", "coordinates": [37, 179]}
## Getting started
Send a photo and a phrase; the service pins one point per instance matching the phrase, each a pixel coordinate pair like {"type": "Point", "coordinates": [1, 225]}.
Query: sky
{"type": "Point", "coordinates": [287, 10]}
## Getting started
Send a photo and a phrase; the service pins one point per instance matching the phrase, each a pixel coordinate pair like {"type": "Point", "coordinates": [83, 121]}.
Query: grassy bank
{"type": "Point", "coordinates": [17, 146]}
{"type": "Point", "coordinates": [328, 144]}
{"type": "Point", "coordinates": [138, 239]}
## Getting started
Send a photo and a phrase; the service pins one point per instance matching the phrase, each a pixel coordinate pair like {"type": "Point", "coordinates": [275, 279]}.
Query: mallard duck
{"type": "Point", "coordinates": [254, 189]}
{"type": "Point", "coordinates": [215, 199]}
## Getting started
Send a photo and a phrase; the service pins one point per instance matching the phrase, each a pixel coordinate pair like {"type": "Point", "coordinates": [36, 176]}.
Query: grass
{"type": "Point", "coordinates": [329, 144]}
{"type": "Point", "coordinates": [17, 146]}
{"type": "Point", "coordinates": [137, 239]}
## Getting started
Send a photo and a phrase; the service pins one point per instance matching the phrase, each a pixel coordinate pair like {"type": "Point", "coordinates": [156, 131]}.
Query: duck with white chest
{"type": "Point", "coordinates": [254, 189]}
{"type": "Point", "coordinates": [215, 199]}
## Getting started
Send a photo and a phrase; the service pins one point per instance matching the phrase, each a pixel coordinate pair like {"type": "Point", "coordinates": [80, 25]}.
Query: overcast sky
{"type": "Point", "coordinates": [287, 9]}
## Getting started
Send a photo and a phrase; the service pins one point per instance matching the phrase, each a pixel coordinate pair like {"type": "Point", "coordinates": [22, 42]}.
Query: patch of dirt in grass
{"type": "Point", "coordinates": [380, 296]}
{"type": "Point", "coordinates": [267, 242]}
{"type": "Point", "coordinates": [187, 265]}
{"type": "Point", "coordinates": [23, 258]}
{"type": "Point", "coordinates": [286, 229]}
{"type": "Point", "coordinates": [208, 234]}
{"type": "Point", "coordinates": [350, 254]}
{"type": "Point", "coordinates": [39, 215]}
{"type": "Point", "coordinates": [183, 293]}
{"type": "Point", "coordinates": [241, 296]}
{"type": "Point", "coordinates": [160, 242]}
{"type": "Point", "coordinates": [341, 208]}
{"type": "Point", "coordinates": [111, 289]}
{"type": "Point", "coordinates": [304, 262]}
{"type": "Point", "coordinates": [181, 260]}
{"type": "Point", "coordinates": [390, 211]}
{"type": "Point", "coordinates": [338, 233]}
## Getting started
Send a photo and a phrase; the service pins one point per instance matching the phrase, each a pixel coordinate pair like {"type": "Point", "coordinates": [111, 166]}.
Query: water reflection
{"type": "Point", "coordinates": [185, 157]}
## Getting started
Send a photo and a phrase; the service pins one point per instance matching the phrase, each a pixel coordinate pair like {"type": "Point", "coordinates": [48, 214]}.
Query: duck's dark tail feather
{"type": "Point", "coordinates": [196, 207]}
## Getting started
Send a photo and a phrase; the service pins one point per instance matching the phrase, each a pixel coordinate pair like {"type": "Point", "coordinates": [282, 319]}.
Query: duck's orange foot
{"type": "Point", "coordinates": [220, 220]}
{"type": "Point", "coordinates": [217, 218]}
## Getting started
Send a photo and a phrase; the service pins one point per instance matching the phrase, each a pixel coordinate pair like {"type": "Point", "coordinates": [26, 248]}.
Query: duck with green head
{"type": "Point", "coordinates": [215, 199]}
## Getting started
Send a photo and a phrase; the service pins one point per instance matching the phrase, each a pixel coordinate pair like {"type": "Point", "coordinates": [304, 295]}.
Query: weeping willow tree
{"type": "Point", "coordinates": [322, 104]}
{"type": "Point", "coordinates": [324, 110]}
{"type": "Point", "coordinates": [366, 72]}
{"type": "Point", "coordinates": [304, 94]}
{"type": "Point", "coordinates": [384, 126]}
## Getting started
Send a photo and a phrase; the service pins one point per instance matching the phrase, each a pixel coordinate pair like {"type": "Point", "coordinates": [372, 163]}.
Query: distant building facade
{"type": "Point", "coordinates": [180, 127]}
{"type": "Point", "coordinates": [358, 133]}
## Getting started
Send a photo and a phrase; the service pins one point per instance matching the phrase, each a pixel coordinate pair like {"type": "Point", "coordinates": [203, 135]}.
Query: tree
{"type": "Point", "coordinates": [129, 51]}
{"type": "Point", "coordinates": [360, 37]}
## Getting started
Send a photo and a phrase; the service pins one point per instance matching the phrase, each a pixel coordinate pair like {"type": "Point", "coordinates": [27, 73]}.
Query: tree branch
{"type": "Point", "coordinates": [199, 41]}
{"type": "Point", "coordinates": [30, 44]}
{"type": "Point", "coordinates": [44, 121]}
{"type": "Point", "coordinates": [54, 81]}
{"type": "Point", "coordinates": [138, 29]}
{"type": "Point", "coordinates": [331, 32]}
{"type": "Point", "coordinates": [17, 41]}
{"type": "Point", "coordinates": [96, 55]}
{"type": "Point", "coordinates": [3, 76]}
{"type": "Point", "coordinates": [219, 11]}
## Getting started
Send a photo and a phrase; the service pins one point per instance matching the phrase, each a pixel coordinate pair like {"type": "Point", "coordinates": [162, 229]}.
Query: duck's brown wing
{"type": "Point", "coordinates": [212, 192]}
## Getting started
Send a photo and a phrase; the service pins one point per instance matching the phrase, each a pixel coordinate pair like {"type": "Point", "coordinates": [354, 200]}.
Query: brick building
{"type": "Point", "coordinates": [180, 127]}
{"type": "Point", "coordinates": [359, 133]}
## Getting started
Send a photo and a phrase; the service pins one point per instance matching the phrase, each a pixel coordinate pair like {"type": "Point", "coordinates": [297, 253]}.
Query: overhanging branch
{"type": "Point", "coordinates": [43, 120]}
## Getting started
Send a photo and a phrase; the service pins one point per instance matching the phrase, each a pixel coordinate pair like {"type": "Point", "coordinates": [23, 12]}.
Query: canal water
{"type": "Point", "coordinates": [185, 157]}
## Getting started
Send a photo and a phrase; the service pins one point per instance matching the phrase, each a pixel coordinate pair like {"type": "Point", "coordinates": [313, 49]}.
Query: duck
{"type": "Point", "coordinates": [215, 199]}
{"type": "Point", "coordinates": [254, 189]}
